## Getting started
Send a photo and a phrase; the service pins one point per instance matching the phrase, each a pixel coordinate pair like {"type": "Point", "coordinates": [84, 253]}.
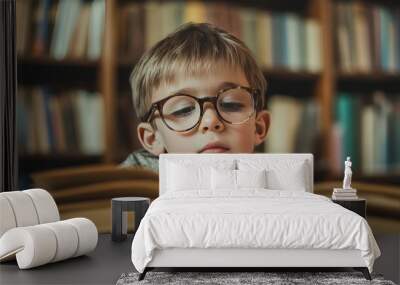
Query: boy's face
{"type": "Point", "coordinates": [212, 134]}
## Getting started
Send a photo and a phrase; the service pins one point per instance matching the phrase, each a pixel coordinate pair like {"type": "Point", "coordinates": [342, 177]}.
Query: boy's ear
{"type": "Point", "coordinates": [150, 139]}
{"type": "Point", "coordinates": [262, 126]}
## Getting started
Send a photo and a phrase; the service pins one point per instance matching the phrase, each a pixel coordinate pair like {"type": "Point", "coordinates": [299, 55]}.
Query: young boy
{"type": "Point", "coordinates": [198, 90]}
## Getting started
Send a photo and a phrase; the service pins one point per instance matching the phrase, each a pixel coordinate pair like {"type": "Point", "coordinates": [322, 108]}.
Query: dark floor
{"type": "Point", "coordinates": [389, 262]}
{"type": "Point", "coordinates": [110, 260]}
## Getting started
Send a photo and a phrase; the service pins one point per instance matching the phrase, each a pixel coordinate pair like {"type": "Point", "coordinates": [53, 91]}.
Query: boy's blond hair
{"type": "Point", "coordinates": [193, 49]}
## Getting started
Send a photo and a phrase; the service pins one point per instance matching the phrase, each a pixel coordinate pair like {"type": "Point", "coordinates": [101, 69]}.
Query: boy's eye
{"type": "Point", "coordinates": [231, 106]}
{"type": "Point", "coordinates": [179, 107]}
{"type": "Point", "coordinates": [186, 111]}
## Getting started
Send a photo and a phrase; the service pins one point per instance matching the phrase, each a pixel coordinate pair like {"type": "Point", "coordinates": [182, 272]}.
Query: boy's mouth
{"type": "Point", "coordinates": [214, 148]}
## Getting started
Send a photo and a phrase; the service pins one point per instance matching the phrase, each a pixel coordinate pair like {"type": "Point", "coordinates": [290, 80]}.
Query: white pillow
{"type": "Point", "coordinates": [279, 181]}
{"type": "Point", "coordinates": [185, 175]}
{"type": "Point", "coordinates": [235, 179]}
{"type": "Point", "coordinates": [251, 178]}
{"type": "Point", "coordinates": [223, 179]}
{"type": "Point", "coordinates": [182, 178]}
{"type": "Point", "coordinates": [282, 174]}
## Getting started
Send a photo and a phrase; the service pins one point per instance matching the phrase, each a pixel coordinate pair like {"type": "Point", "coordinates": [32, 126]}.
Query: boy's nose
{"type": "Point", "coordinates": [211, 121]}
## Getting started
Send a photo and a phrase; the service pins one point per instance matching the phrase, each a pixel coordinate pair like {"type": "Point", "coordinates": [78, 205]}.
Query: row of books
{"type": "Point", "coordinates": [59, 122]}
{"type": "Point", "coordinates": [60, 28]}
{"type": "Point", "coordinates": [368, 37]}
{"type": "Point", "coordinates": [368, 131]}
{"type": "Point", "coordinates": [276, 39]}
{"type": "Point", "coordinates": [294, 125]}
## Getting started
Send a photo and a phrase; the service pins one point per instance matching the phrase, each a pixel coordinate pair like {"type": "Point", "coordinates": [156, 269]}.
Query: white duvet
{"type": "Point", "coordinates": [253, 218]}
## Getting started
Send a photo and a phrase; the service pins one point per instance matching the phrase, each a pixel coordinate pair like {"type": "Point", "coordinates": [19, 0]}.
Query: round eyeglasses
{"type": "Point", "coordinates": [182, 112]}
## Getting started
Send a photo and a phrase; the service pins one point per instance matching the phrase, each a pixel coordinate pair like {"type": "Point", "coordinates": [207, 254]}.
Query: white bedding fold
{"type": "Point", "coordinates": [256, 218]}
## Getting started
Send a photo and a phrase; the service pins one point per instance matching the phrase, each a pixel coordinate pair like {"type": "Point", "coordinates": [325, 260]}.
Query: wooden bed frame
{"type": "Point", "coordinates": [244, 259]}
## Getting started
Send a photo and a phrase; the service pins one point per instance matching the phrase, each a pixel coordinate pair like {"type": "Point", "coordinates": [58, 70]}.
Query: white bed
{"type": "Point", "coordinates": [279, 225]}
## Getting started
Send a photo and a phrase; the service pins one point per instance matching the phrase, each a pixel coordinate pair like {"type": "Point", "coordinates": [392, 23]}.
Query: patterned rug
{"type": "Point", "coordinates": [229, 278]}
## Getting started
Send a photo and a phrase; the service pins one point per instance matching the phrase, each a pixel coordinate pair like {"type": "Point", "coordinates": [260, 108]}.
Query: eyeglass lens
{"type": "Point", "coordinates": [183, 112]}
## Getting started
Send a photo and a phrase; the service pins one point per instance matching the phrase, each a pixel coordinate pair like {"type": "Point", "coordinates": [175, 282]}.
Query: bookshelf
{"type": "Point", "coordinates": [108, 74]}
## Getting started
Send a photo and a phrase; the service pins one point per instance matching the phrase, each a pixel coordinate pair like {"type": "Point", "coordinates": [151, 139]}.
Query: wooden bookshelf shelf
{"type": "Point", "coordinates": [287, 74]}
{"type": "Point", "coordinates": [48, 71]}
{"type": "Point", "coordinates": [126, 63]}
{"type": "Point", "coordinates": [377, 77]}
{"type": "Point", "coordinates": [282, 73]}
{"type": "Point", "coordinates": [275, 5]}
{"type": "Point", "coordinates": [277, 78]}
{"type": "Point", "coordinates": [391, 177]}
{"type": "Point", "coordinates": [61, 156]}
{"type": "Point", "coordinates": [369, 82]}
{"type": "Point", "coordinates": [43, 60]}
{"type": "Point", "coordinates": [40, 162]}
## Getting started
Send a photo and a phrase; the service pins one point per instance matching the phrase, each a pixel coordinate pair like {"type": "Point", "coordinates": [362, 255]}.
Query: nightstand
{"type": "Point", "coordinates": [358, 206]}
{"type": "Point", "coordinates": [120, 206]}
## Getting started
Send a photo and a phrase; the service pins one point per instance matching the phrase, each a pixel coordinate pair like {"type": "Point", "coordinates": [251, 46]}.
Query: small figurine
{"type": "Point", "coordinates": [347, 174]}
{"type": "Point", "coordinates": [345, 193]}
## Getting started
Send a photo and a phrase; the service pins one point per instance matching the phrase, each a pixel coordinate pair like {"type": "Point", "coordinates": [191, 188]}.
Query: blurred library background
{"type": "Point", "coordinates": [332, 67]}
{"type": "Point", "coordinates": [333, 73]}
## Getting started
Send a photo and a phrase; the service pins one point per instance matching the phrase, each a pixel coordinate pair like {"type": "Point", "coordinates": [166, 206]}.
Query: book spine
{"type": "Point", "coordinates": [396, 135]}
{"type": "Point", "coordinates": [42, 25]}
{"type": "Point", "coordinates": [313, 46]}
{"type": "Point", "coordinates": [384, 37]}
{"type": "Point", "coordinates": [344, 117]}
{"type": "Point", "coordinates": [96, 29]}
{"type": "Point", "coordinates": [48, 119]}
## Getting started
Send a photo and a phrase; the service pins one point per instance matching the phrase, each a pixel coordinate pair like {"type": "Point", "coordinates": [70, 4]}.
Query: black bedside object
{"type": "Point", "coordinates": [120, 206]}
{"type": "Point", "coordinates": [358, 206]}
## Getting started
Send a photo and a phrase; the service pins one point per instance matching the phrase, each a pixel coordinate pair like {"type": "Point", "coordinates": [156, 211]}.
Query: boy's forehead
{"type": "Point", "coordinates": [204, 81]}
